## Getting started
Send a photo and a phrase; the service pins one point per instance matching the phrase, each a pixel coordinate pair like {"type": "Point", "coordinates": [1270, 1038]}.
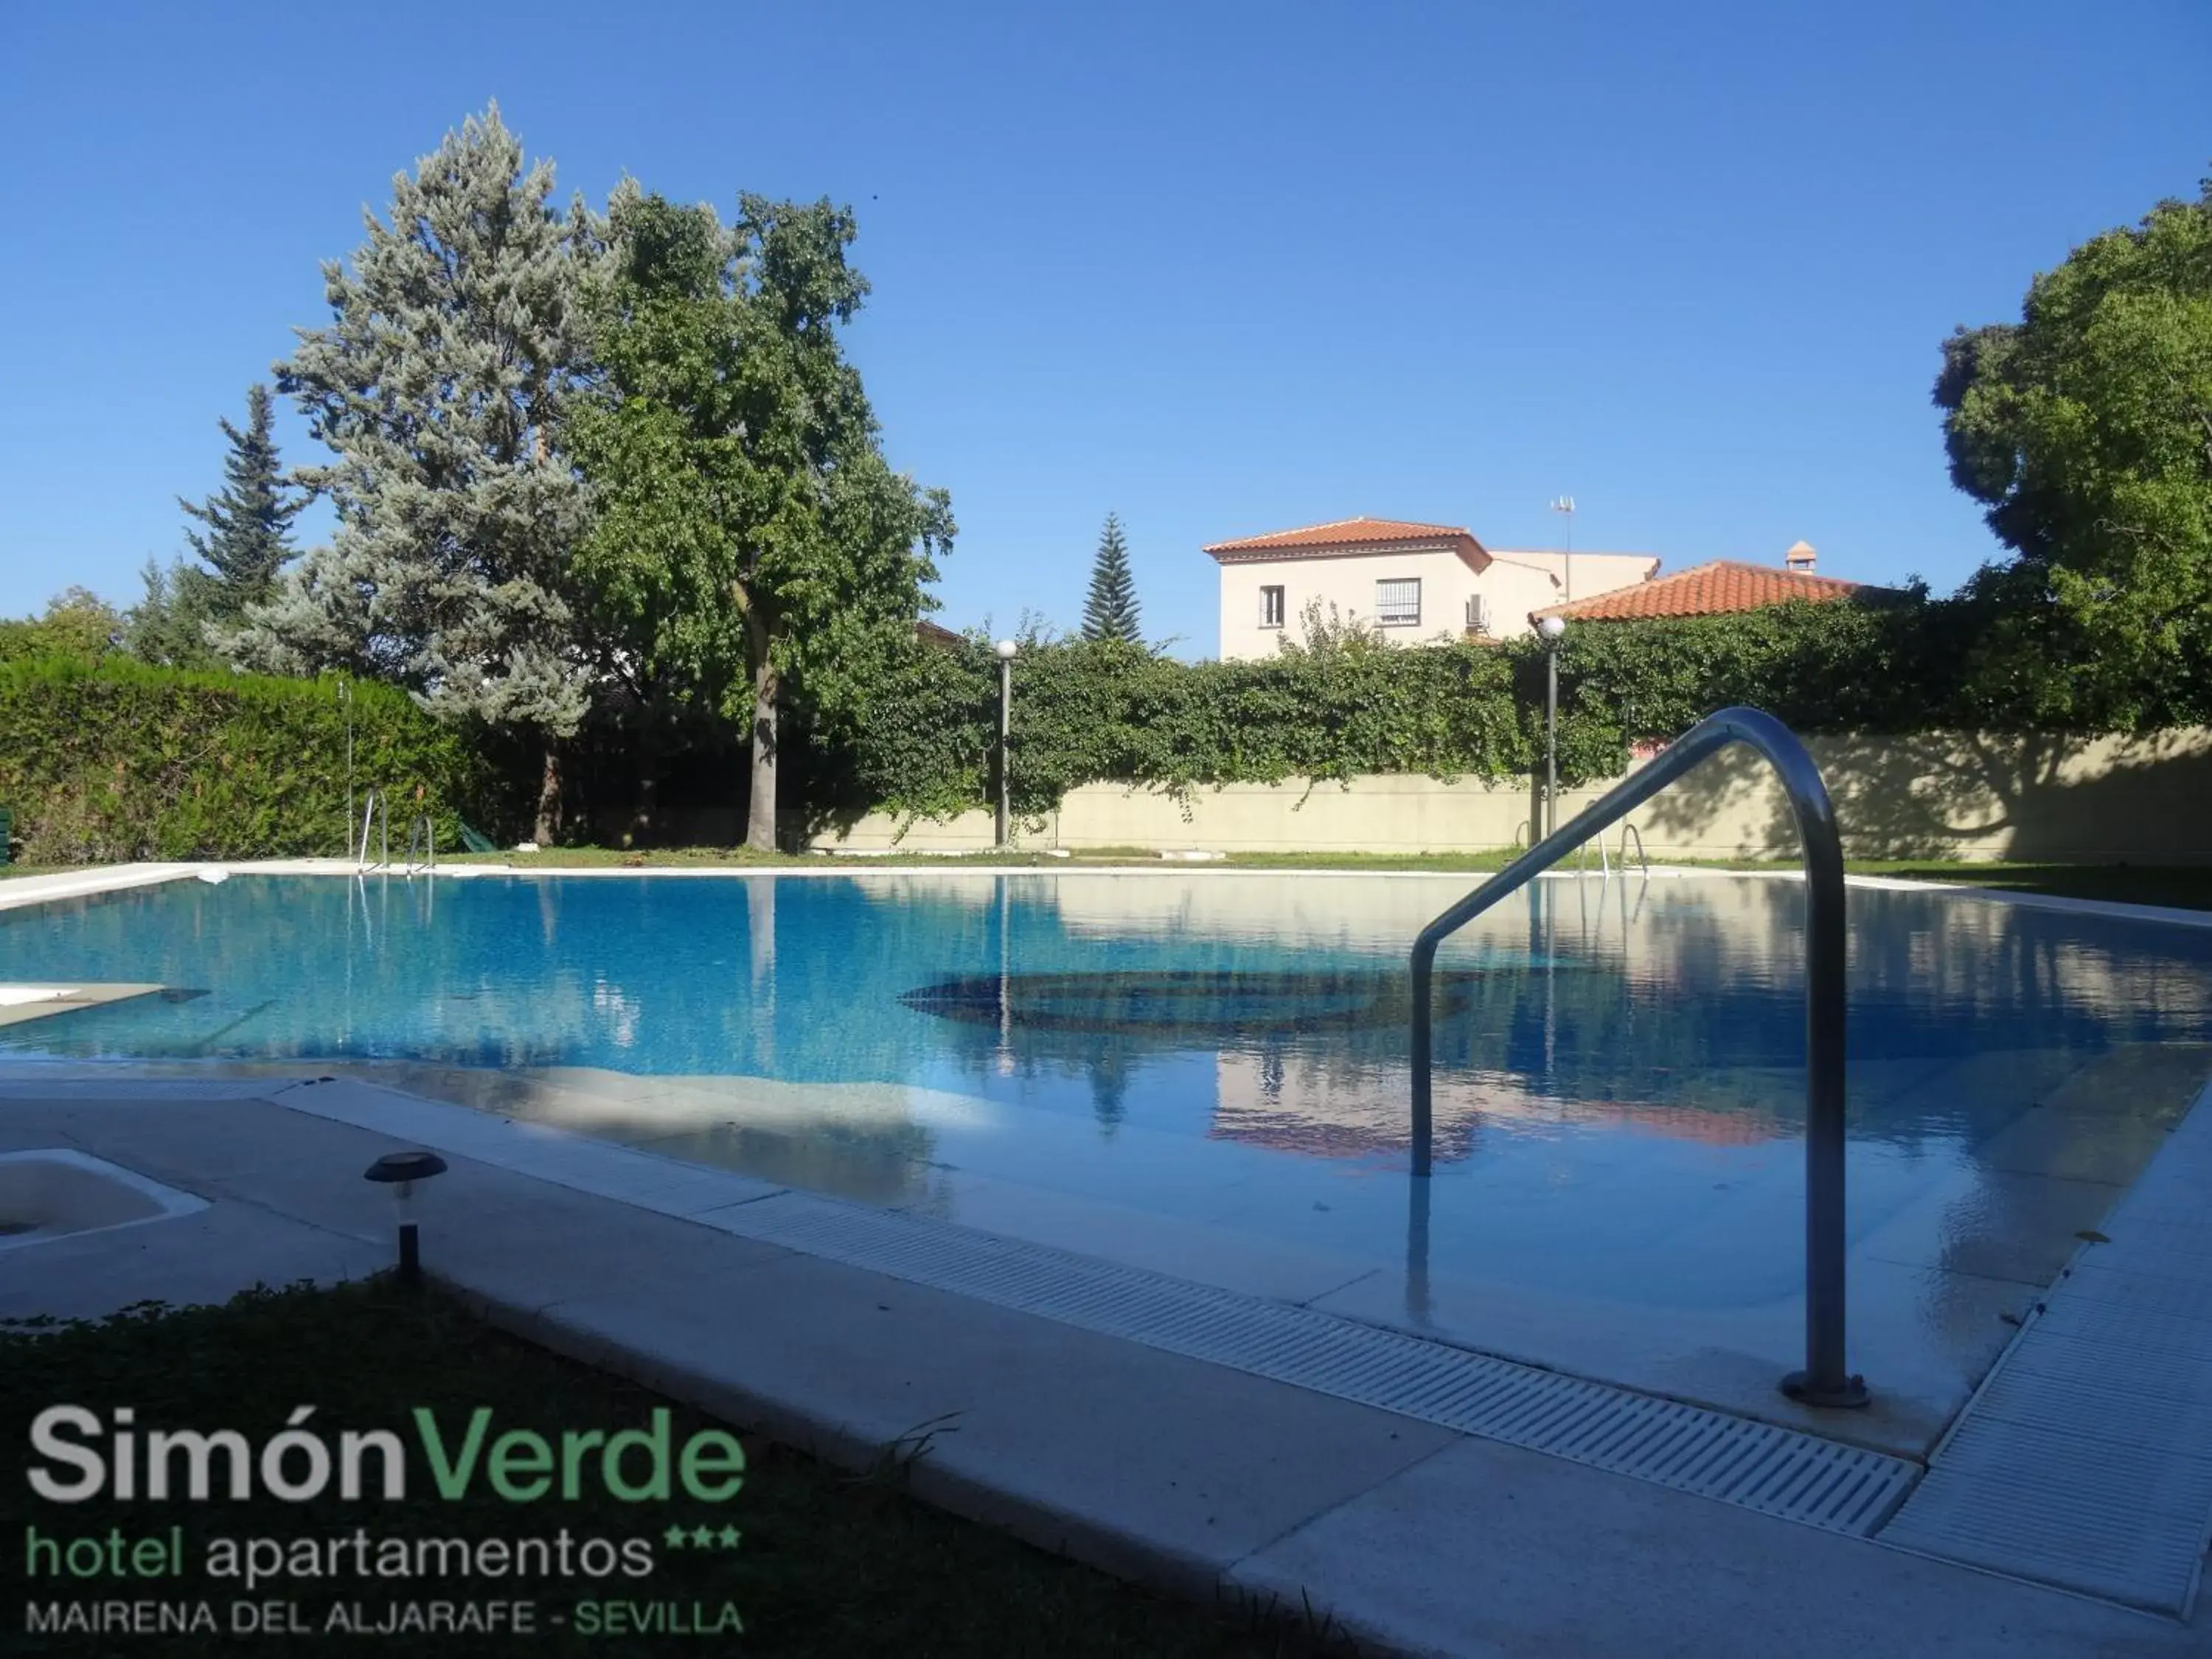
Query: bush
{"type": "Point", "coordinates": [114, 760]}
{"type": "Point", "coordinates": [1091, 711]}
{"type": "Point", "coordinates": [1837, 666]}
{"type": "Point", "coordinates": [1343, 705]}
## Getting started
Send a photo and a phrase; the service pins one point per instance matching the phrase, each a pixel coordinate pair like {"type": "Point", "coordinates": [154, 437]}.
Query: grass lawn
{"type": "Point", "coordinates": [2183, 887]}
{"type": "Point", "coordinates": [827, 1564]}
{"type": "Point", "coordinates": [677, 858]}
{"type": "Point", "coordinates": [2186, 887]}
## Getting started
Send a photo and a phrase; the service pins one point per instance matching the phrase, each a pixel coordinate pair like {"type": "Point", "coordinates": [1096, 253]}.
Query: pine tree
{"type": "Point", "coordinates": [1110, 611]}
{"type": "Point", "coordinates": [249, 520]}
{"type": "Point", "coordinates": [169, 624]}
{"type": "Point", "coordinates": [441, 383]}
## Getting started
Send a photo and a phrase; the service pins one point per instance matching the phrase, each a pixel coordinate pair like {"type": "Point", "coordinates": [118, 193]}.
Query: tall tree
{"type": "Point", "coordinates": [77, 622]}
{"type": "Point", "coordinates": [753, 551]}
{"type": "Point", "coordinates": [174, 617]}
{"type": "Point", "coordinates": [1110, 611]}
{"type": "Point", "coordinates": [441, 383]}
{"type": "Point", "coordinates": [2086, 428]}
{"type": "Point", "coordinates": [248, 522]}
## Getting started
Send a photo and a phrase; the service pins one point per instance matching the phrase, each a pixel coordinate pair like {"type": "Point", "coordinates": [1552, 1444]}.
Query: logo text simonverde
{"type": "Point", "coordinates": [77, 1457]}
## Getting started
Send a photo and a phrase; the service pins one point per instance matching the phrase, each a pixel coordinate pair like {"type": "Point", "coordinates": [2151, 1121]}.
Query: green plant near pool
{"type": "Point", "coordinates": [116, 760]}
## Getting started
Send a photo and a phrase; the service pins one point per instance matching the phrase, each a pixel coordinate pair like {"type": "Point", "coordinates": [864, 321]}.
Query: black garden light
{"type": "Point", "coordinates": [401, 1172]}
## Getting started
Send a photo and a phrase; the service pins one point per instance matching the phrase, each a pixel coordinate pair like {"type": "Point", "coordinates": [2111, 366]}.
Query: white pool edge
{"type": "Point", "coordinates": [20, 891]}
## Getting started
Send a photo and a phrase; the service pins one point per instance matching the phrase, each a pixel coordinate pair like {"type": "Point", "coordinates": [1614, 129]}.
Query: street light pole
{"type": "Point", "coordinates": [345, 696]}
{"type": "Point", "coordinates": [1006, 649]}
{"type": "Point", "coordinates": [1566, 504]}
{"type": "Point", "coordinates": [1550, 627]}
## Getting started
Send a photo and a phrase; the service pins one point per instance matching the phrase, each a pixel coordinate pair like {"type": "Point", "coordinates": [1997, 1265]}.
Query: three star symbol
{"type": "Point", "coordinates": [701, 1538]}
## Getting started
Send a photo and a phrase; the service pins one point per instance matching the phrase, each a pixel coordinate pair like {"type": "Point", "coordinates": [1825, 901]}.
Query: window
{"type": "Point", "coordinates": [1271, 607]}
{"type": "Point", "coordinates": [1397, 602]}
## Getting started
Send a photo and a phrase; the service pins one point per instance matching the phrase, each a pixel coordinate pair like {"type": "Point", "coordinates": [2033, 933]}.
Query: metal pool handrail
{"type": "Point", "coordinates": [1825, 1380]}
{"type": "Point", "coordinates": [377, 815]}
{"type": "Point", "coordinates": [423, 833]}
{"type": "Point", "coordinates": [1642, 858]}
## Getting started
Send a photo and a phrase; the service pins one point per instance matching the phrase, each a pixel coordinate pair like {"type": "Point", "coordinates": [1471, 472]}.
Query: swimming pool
{"type": "Point", "coordinates": [1207, 1073]}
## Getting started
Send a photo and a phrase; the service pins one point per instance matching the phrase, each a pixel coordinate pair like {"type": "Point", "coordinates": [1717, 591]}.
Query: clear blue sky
{"type": "Point", "coordinates": [1224, 268]}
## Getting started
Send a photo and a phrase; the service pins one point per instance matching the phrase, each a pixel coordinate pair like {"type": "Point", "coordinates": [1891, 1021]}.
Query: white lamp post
{"type": "Point", "coordinates": [1007, 650]}
{"type": "Point", "coordinates": [345, 697]}
{"type": "Point", "coordinates": [1550, 627]}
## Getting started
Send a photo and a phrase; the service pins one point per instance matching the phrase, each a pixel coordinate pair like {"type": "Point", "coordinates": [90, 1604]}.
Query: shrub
{"type": "Point", "coordinates": [1343, 704]}
{"type": "Point", "coordinates": [114, 759]}
{"type": "Point", "coordinates": [1091, 711]}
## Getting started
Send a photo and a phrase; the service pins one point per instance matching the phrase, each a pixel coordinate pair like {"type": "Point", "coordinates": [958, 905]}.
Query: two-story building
{"type": "Point", "coordinates": [1416, 583]}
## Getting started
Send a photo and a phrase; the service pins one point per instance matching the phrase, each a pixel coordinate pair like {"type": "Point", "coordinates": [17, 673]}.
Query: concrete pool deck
{"type": "Point", "coordinates": [1189, 1475]}
{"type": "Point", "coordinates": [1937, 1290]}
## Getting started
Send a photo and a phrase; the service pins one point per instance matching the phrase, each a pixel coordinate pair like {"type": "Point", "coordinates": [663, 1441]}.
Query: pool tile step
{"type": "Point", "coordinates": [2085, 1458]}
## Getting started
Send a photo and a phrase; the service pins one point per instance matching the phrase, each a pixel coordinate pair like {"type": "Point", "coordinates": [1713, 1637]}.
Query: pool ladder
{"type": "Point", "coordinates": [1629, 833]}
{"type": "Point", "coordinates": [1825, 1380]}
{"type": "Point", "coordinates": [421, 837]}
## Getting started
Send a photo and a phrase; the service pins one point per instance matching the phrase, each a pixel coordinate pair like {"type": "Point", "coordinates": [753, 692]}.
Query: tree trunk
{"type": "Point", "coordinates": [645, 815]}
{"type": "Point", "coordinates": [548, 795]}
{"type": "Point", "coordinates": [760, 815]}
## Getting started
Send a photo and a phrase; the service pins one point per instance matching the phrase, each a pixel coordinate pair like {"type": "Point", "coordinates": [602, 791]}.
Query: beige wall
{"type": "Point", "coordinates": [1519, 582]}
{"type": "Point", "coordinates": [1345, 581]}
{"type": "Point", "coordinates": [2146, 800]}
{"type": "Point", "coordinates": [1511, 586]}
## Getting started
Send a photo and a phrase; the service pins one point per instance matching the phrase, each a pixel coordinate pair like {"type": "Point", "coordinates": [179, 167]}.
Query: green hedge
{"type": "Point", "coordinates": [1087, 712]}
{"type": "Point", "coordinates": [1895, 666]}
{"type": "Point", "coordinates": [113, 759]}
{"type": "Point", "coordinates": [1897, 662]}
{"type": "Point", "coordinates": [116, 760]}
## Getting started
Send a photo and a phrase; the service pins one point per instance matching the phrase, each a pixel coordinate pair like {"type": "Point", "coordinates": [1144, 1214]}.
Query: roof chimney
{"type": "Point", "coordinates": [1800, 558]}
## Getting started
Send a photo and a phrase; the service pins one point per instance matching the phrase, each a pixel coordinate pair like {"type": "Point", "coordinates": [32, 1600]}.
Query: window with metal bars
{"type": "Point", "coordinates": [1398, 602]}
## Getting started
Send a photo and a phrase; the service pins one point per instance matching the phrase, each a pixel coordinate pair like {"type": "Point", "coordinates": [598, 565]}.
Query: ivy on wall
{"type": "Point", "coordinates": [1087, 711]}
{"type": "Point", "coordinates": [1816, 667]}
{"type": "Point", "coordinates": [113, 759]}
{"type": "Point", "coordinates": [116, 760]}
{"type": "Point", "coordinates": [1104, 712]}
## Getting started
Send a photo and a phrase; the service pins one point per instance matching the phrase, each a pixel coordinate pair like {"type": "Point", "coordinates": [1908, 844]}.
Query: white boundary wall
{"type": "Point", "coordinates": [1955, 795]}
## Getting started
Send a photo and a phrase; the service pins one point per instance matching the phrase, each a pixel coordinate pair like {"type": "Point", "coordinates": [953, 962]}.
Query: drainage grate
{"type": "Point", "coordinates": [1778, 1472]}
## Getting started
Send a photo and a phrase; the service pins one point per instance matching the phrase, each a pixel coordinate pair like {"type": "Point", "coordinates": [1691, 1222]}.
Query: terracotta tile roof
{"type": "Point", "coordinates": [1707, 590]}
{"type": "Point", "coordinates": [1346, 534]}
{"type": "Point", "coordinates": [1334, 1128]}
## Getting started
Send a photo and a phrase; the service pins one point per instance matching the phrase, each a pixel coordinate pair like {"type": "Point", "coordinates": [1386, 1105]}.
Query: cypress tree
{"type": "Point", "coordinates": [249, 520]}
{"type": "Point", "coordinates": [1110, 611]}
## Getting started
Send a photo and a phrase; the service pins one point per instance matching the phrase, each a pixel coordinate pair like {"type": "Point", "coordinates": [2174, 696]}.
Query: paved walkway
{"type": "Point", "coordinates": [1148, 1463]}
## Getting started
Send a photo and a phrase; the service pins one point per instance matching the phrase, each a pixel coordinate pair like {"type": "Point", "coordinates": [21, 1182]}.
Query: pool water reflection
{"type": "Point", "coordinates": [1207, 1074]}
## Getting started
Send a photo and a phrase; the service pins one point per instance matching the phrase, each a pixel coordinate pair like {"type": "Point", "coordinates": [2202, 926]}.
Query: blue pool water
{"type": "Point", "coordinates": [1620, 1093]}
